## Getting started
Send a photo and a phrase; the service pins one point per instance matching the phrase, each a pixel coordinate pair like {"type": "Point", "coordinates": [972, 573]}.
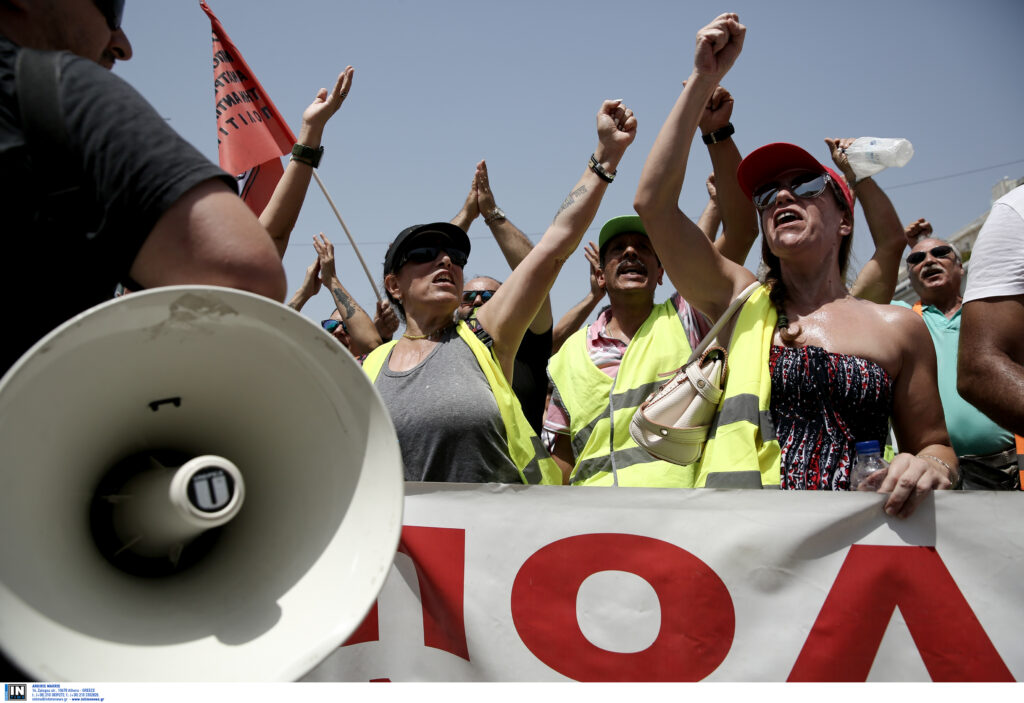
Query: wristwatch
{"type": "Point", "coordinates": [494, 215]}
{"type": "Point", "coordinates": [307, 154]}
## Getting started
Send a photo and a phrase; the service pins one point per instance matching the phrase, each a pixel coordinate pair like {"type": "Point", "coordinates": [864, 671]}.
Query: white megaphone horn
{"type": "Point", "coordinates": [196, 484]}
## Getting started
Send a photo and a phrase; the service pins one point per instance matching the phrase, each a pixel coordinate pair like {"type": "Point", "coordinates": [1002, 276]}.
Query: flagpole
{"type": "Point", "coordinates": [337, 214]}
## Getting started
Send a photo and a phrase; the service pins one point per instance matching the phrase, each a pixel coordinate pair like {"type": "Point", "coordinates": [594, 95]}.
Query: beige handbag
{"type": "Point", "coordinates": [673, 423]}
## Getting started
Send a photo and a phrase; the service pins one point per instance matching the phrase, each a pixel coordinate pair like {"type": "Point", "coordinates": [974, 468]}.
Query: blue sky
{"type": "Point", "coordinates": [441, 84]}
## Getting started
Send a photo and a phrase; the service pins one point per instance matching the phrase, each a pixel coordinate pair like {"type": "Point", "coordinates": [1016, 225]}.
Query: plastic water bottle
{"type": "Point", "coordinates": [870, 468]}
{"type": "Point", "coordinates": [869, 155]}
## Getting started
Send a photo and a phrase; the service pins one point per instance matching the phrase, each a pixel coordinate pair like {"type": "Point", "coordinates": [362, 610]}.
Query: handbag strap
{"type": "Point", "coordinates": [712, 334]}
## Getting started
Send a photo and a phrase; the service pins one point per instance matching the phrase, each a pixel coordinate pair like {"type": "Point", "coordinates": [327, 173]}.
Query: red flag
{"type": "Point", "coordinates": [251, 134]}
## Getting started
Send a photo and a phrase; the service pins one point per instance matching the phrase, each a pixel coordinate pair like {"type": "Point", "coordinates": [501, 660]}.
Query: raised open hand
{"type": "Point", "coordinates": [311, 281]}
{"type": "Point", "coordinates": [484, 195]}
{"type": "Point", "coordinates": [470, 208]}
{"type": "Point", "coordinates": [712, 188]}
{"type": "Point", "coordinates": [594, 258]}
{"type": "Point", "coordinates": [326, 104]}
{"type": "Point", "coordinates": [325, 254]}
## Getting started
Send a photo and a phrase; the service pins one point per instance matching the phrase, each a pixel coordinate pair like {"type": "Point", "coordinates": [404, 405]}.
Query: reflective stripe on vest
{"type": "Point", "coordinates": [660, 346]}
{"type": "Point", "coordinates": [742, 437]}
{"type": "Point", "coordinates": [525, 449]}
{"type": "Point", "coordinates": [632, 397]}
{"type": "Point", "coordinates": [743, 407]}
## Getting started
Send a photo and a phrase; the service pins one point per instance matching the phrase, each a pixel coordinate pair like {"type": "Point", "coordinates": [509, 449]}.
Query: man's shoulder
{"type": "Point", "coordinates": [1013, 199]}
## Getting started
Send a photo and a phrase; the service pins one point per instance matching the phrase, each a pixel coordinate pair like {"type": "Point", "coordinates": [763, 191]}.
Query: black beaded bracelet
{"type": "Point", "coordinates": [719, 135]}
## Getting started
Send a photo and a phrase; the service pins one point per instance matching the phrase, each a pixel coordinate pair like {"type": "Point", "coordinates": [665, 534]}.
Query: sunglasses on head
{"type": "Point", "coordinates": [468, 296]}
{"type": "Point", "coordinates": [332, 324]}
{"type": "Point", "coordinates": [939, 252]}
{"type": "Point", "coordinates": [807, 186]}
{"type": "Point", "coordinates": [113, 11]}
{"type": "Point", "coordinates": [422, 255]}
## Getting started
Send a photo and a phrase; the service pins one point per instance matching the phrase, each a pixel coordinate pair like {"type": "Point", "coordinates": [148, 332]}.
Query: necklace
{"type": "Point", "coordinates": [435, 333]}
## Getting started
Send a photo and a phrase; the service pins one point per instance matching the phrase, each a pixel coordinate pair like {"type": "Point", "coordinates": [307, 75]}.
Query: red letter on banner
{"type": "Point", "coordinates": [697, 618]}
{"type": "Point", "coordinates": [874, 580]}
{"type": "Point", "coordinates": [439, 555]}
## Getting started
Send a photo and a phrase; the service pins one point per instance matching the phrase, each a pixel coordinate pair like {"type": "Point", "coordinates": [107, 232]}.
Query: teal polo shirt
{"type": "Point", "coordinates": [970, 430]}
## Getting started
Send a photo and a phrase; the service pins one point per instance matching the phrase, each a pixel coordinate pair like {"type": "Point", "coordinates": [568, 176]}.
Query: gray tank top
{"type": "Point", "coordinates": [448, 423]}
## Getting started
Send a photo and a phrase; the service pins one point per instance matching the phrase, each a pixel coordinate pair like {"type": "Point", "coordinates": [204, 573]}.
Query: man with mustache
{"type": "Point", "coordinates": [607, 369]}
{"type": "Point", "coordinates": [987, 456]}
{"type": "Point", "coordinates": [603, 372]}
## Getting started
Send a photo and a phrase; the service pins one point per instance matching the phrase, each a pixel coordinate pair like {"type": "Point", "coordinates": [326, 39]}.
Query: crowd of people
{"type": "Point", "coordinates": [483, 384]}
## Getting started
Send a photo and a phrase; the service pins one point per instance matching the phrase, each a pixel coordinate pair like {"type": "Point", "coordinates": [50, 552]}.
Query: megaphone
{"type": "Point", "coordinates": [197, 484]}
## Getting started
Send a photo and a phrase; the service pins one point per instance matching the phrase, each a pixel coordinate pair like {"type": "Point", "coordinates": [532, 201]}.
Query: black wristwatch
{"type": "Point", "coordinates": [307, 154]}
{"type": "Point", "coordinates": [719, 135]}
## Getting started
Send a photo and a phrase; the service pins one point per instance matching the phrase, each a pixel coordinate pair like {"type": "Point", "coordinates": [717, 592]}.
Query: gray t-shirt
{"type": "Point", "coordinates": [448, 423]}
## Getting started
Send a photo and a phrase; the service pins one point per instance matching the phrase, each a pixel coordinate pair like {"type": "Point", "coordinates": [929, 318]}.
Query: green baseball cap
{"type": "Point", "coordinates": [620, 225]}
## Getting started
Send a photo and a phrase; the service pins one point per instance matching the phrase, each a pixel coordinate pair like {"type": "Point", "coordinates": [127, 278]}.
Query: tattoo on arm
{"type": "Point", "coordinates": [571, 198]}
{"type": "Point", "coordinates": [345, 301]}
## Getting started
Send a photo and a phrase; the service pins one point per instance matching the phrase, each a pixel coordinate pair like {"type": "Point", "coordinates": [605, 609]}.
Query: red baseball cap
{"type": "Point", "coordinates": [762, 165]}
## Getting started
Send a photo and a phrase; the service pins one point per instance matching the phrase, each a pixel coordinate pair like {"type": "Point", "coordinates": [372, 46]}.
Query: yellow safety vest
{"type": "Point", "coordinates": [742, 436]}
{"type": "Point", "coordinates": [526, 450]}
{"type": "Point", "coordinates": [591, 397]}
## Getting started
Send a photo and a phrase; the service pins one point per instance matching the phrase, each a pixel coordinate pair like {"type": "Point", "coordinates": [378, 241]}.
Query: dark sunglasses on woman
{"type": "Point", "coordinates": [422, 255]}
{"type": "Point", "coordinates": [806, 186]}
{"type": "Point", "coordinates": [468, 296]}
{"type": "Point", "coordinates": [939, 252]}
{"type": "Point", "coordinates": [332, 324]}
{"type": "Point", "coordinates": [113, 11]}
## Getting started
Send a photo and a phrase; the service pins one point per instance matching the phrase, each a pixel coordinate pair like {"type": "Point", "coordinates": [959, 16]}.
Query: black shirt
{"type": "Point", "coordinates": [63, 256]}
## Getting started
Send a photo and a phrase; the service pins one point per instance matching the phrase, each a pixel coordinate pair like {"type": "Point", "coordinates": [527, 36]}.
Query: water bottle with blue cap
{"type": "Point", "coordinates": [870, 469]}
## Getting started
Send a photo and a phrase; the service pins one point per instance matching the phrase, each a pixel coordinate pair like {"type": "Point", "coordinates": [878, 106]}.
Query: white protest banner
{"type": "Point", "coordinates": [515, 583]}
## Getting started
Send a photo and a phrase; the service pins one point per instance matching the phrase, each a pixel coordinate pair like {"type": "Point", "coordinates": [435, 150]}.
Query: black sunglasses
{"type": "Point", "coordinates": [422, 255]}
{"type": "Point", "coordinates": [939, 252]}
{"type": "Point", "coordinates": [468, 296]}
{"type": "Point", "coordinates": [113, 10]}
{"type": "Point", "coordinates": [332, 324]}
{"type": "Point", "coordinates": [807, 186]}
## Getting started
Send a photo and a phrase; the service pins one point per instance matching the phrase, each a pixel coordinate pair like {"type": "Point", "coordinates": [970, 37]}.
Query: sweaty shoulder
{"type": "Point", "coordinates": [888, 333]}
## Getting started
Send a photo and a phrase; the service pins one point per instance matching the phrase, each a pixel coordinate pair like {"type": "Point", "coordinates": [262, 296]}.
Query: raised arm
{"type": "Point", "coordinates": [470, 209]}
{"type": "Point", "coordinates": [877, 280]}
{"type": "Point", "coordinates": [364, 335]}
{"type": "Point", "coordinates": [282, 211]}
{"type": "Point", "coordinates": [579, 312]}
{"type": "Point", "coordinates": [513, 243]}
{"type": "Point", "coordinates": [703, 276]}
{"type": "Point", "coordinates": [507, 315]}
{"type": "Point", "coordinates": [711, 219]}
{"type": "Point", "coordinates": [739, 218]}
{"type": "Point", "coordinates": [310, 286]}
